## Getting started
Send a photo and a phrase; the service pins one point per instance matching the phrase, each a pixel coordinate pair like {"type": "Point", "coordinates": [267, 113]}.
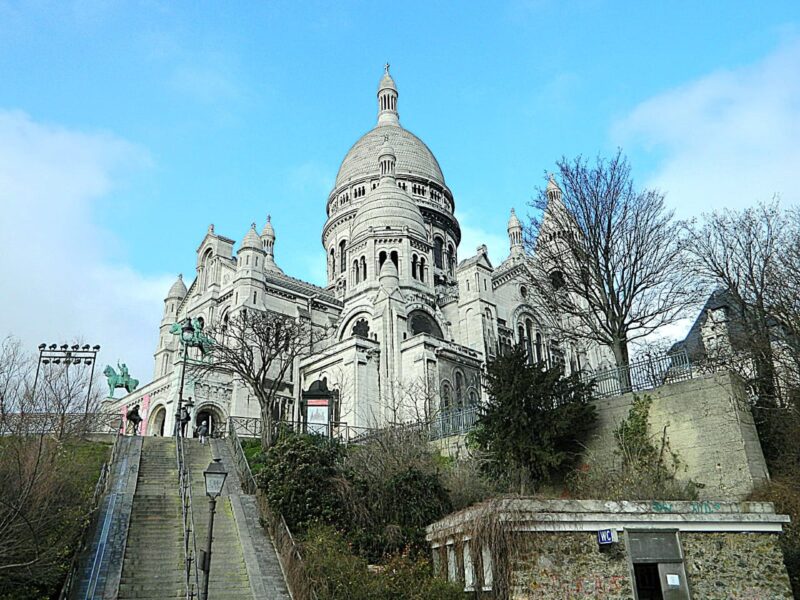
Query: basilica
{"type": "Point", "coordinates": [414, 318]}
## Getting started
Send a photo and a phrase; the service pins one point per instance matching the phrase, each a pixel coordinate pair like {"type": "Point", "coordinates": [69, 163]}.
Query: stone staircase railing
{"type": "Point", "coordinates": [100, 489]}
{"type": "Point", "coordinates": [192, 580]}
{"type": "Point", "coordinates": [287, 548]}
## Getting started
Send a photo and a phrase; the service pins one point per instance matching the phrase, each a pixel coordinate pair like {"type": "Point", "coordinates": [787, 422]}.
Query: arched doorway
{"type": "Point", "coordinates": [157, 419]}
{"type": "Point", "coordinates": [214, 416]}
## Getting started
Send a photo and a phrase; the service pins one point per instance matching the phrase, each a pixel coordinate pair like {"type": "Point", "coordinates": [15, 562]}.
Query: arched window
{"type": "Point", "coordinates": [539, 356]}
{"type": "Point", "coordinates": [451, 260]}
{"type": "Point", "coordinates": [381, 259]}
{"type": "Point", "coordinates": [422, 322]}
{"type": "Point", "coordinates": [459, 390]}
{"type": "Point", "coordinates": [422, 269]}
{"type": "Point", "coordinates": [356, 272]}
{"type": "Point", "coordinates": [414, 260]}
{"type": "Point", "coordinates": [438, 250]}
{"type": "Point", "coordinates": [528, 340]}
{"type": "Point", "coordinates": [332, 264]}
{"type": "Point", "coordinates": [361, 329]}
{"type": "Point", "coordinates": [363, 268]}
{"type": "Point", "coordinates": [342, 257]}
{"type": "Point", "coordinates": [473, 398]}
{"type": "Point", "coordinates": [447, 397]}
{"type": "Point", "coordinates": [395, 260]}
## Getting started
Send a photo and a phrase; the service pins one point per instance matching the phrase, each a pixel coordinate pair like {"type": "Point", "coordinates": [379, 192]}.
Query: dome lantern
{"type": "Point", "coordinates": [514, 233]}
{"type": "Point", "coordinates": [387, 159]}
{"type": "Point", "coordinates": [387, 100]}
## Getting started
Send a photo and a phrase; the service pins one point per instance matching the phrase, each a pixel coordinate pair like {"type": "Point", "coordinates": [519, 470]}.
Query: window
{"type": "Point", "coordinates": [414, 261]}
{"type": "Point", "coordinates": [422, 270]}
{"type": "Point", "coordinates": [447, 397]}
{"type": "Point", "coordinates": [459, 390]}
{"type": "Point", "coordinates": [255, 297]}
{"type": "Point", "coordinates": [539, 357]}
{"type": "Point", "coordinates": [342, 257]}
{"type": "Point", "coordinates": [361, 329]}
{"type": "Point", "coordinates": [395, 260]}
{"type": "Point", "coordinates": [356, 271]}
{"type": "Point", "coordinates": [363, 268]}
{"type": "Point", "coordinates": [469, 569]}
{"type": "Point", "coordinates": [451, 260]}
{"type": "Point", "coordinates": [422, 322]}
{"type": "Point", "coordinates": [557, 280]}
{"type": "Point", "coordinates": [438, 250]}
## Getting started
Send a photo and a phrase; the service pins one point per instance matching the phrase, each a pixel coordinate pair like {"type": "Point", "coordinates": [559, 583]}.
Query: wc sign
{"type": "Point", "coordinates": [605, 537]}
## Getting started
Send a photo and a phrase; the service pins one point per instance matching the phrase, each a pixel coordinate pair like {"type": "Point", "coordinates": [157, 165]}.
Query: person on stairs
{"type": "Point", "coordinates": [202, 432]}
{"type": "Point", "coordinates": [134, 418]}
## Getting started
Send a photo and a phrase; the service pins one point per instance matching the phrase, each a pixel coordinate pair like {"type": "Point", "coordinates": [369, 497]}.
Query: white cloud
{"type": "Point", "coordinates": [727, 139]}
{"type": "Point", "coordinates": [60, 281]}
{"type": "Point", "coordinates": [472, 236]}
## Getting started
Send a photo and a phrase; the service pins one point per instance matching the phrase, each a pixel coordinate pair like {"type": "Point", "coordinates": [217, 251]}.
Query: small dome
{"type": "Point", "coordinates": [552, 186]}
{"type": "Point", "coordinates": [268, 231]}
{"type": "Point", "coordinates": [513, 221]}
{"type": "Point", "coordinates": [251, 239]}
{"type": "Point", "coordinates": [178, 289]}
{"type": "Point", "coordinates": [386, 83]}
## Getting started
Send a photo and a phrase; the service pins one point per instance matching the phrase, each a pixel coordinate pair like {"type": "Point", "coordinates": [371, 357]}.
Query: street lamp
{"type": "Point", "coordinates": [74, 355]}
{"type": "Point", "coordinates": [215, 476]}
{"type": "Point", "coordinates": [187, 333]}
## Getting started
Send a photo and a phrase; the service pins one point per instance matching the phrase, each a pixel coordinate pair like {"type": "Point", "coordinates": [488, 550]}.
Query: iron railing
{"type": "Point", "coordinates": [453, 422]}
{"type": "Point", "coordinates": [642, 375]}
{"type": "Point", "coordinates": [191, 576]}
{"type": "Point", "coordinates": [58, 424]}
{"type": "Point", "coordinates": [100, 489]}
{"type": "Point", "coordinates": [250, 427]}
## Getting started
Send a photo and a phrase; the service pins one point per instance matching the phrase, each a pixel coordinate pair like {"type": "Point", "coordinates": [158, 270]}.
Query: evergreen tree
{"type": "Point", "coordinates": [535, 422]}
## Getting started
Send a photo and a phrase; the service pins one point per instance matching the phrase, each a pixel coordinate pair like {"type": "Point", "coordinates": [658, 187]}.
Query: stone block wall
{"type": "Point", "coordinates": [719, 566]}
{"type": "Point", "coordinates": [744, 566]}
{"type": "Point", "coordinates": [708, 424]}
{"type": "Point", "coordinates": [568, 565]}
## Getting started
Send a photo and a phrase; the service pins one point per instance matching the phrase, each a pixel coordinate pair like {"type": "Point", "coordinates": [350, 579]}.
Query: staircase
{"type": "Point", "coordinates": [153, 565]}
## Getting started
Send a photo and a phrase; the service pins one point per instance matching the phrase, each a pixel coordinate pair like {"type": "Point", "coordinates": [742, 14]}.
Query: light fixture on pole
{"type": "Point", "coordinates": [74, 355]}
{"type": "Point", "coordinates": [214, 476]}
{"type": "Point", "coordinates": [187, 334]}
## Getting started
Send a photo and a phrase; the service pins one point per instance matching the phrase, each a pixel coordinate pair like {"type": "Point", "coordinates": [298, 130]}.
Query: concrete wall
{"type": "Point", "coordinates": [709, 426]}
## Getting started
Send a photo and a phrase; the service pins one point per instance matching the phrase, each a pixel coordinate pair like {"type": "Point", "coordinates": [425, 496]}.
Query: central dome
{"type": "Point", "coordinates": [413, 156]}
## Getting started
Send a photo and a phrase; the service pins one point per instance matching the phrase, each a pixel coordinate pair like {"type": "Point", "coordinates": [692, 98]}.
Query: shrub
{"type": "Point", "coordinates": [645, 467]}
{"type": "Point", "coordinates": [299, 478]}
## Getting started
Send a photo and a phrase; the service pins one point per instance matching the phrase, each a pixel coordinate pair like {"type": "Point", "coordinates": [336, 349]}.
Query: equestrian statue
{"type": "Point", "coordinates": [122, 379]}
{"type": "Point", "coordinates": [198, 340]}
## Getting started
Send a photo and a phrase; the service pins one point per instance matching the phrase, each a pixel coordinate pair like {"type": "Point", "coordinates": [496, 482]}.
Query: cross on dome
{"type": "Point", "coordinates": [387, 99]}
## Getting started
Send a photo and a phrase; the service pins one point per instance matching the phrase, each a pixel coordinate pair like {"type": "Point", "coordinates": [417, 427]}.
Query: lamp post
{"type": "Point", "coordinates": [187, 333]}
{"type": "Point", "coordinates": [69, 355]}
{"type": "Point", "coordinates": [215, 476]}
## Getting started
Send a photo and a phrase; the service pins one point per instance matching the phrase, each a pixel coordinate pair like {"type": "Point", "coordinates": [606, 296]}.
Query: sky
{"type": "Point", "coordinates": [126, 128]}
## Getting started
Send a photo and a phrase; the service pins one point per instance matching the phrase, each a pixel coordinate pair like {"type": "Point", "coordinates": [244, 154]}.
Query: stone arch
{"type": "Point", "coordinates": [349, 321]}
{"type": "Point", "coordinates": [421, 321]}
{"type": "Point", "coordinates": [157, 419]}
{"type": "Point", "coordinates": [213, 413]}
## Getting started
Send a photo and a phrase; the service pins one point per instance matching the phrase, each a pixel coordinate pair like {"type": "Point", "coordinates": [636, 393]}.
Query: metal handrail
{"type": "Point", "coordinates": [642, 375]}
{"type": "Point", "coordinates": [187, 516]}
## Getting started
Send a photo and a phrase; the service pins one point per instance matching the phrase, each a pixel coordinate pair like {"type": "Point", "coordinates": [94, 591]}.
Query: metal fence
{"type": "Point", "coordinates": [250, 427]}
{"type": "Point", "coordinates": [642, 375]}
{"type": "Point", "coordinates": [191, 576]}
{"type": "Point", "coordinates": [453, 422]}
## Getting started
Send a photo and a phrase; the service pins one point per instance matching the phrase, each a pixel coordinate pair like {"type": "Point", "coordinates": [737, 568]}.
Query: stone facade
{"type": "Point", "coordinates": [708, 424]}
{"type": "Point", "coordinates": [707, 550]}
{"type": "Point", "coordinates": [413, 324]}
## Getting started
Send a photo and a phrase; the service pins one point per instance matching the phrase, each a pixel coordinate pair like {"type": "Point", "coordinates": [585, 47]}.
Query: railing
{"type": "Point", "coordinates": [100, 488]}
{"type": "Point", "coordinates": [641, 375]}
{"type": "Point", "coordinates": [288, 551]}
{"type": "Point", "coordinates": [59, 424]}
{"type": "Point", "coordinates": [453, 422]}
{"type": "Point", "coordinates": [191, 578]}
{"type": "Point", "coordinates": [250, 427]}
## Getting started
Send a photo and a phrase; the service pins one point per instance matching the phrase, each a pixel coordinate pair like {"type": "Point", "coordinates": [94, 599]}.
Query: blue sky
{"type": "Point", "coordinates": [126, 128]}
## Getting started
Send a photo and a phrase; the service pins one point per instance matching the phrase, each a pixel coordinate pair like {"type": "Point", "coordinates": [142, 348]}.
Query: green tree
{"type": "Point", "coordinates": [535, 421]}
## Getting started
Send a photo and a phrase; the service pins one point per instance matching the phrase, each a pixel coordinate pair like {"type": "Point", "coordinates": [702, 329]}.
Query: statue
{"type": "Point", "coordinates": [121, 380]}
{"type": "Point", "coordinates": [199, 339]}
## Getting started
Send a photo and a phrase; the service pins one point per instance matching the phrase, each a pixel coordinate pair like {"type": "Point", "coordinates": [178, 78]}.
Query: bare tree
{"type": "Point", "coordinates": [607, 255]}
{"type": "Point", "coordinates": [753, 256]}
{"type": "Point", "coordinates": [260, 350]}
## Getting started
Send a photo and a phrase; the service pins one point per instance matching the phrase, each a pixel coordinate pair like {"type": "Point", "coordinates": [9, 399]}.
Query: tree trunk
{"type": "Point", "coordinates": [620, 348]}
{"type": "Point", "coordinates": [266, 426]}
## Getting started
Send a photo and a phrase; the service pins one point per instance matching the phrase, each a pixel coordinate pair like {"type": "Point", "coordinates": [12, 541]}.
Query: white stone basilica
{"type": "Point", "coordinates": [413, 325]}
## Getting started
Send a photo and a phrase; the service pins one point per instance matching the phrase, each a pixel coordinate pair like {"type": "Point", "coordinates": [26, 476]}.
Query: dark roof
{"type": "Point", "coordinates": [301, 287]}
